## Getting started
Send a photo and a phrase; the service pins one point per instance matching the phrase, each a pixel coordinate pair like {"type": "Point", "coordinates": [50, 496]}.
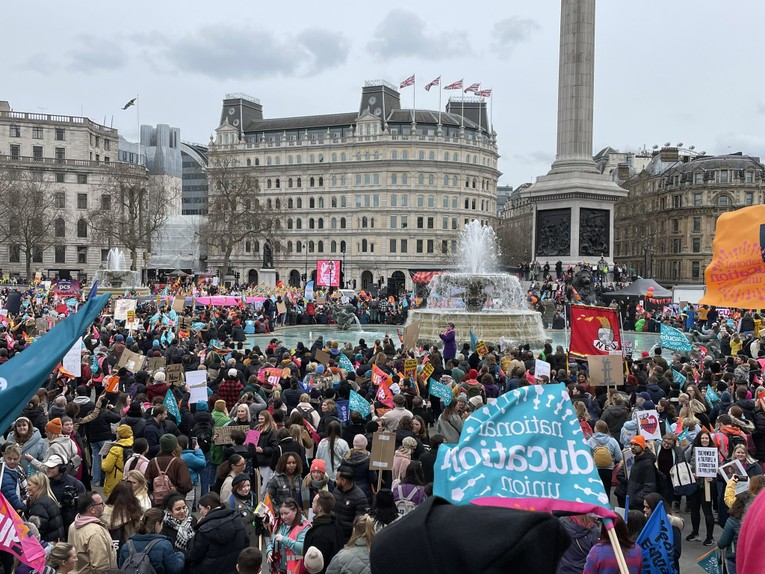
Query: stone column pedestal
{"type": "Point", "coordinates": [267, 277]}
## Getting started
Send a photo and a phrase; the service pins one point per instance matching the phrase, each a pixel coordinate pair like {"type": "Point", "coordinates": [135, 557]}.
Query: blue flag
{"type": "Point", "coordinates": [709, 563]}
{"type": "Point", "coordinates": [525, 451]}
{"type": "Point", "coordinates": [441, 391]}
{"type": "Point", "coordinates": [22, 376]}
{"type": "Point", "coordinates": [658, 543]}
{"type": "Point", "coordinates": [344, 362]}
{"type": "Point", "coordinates": [358, 403]}
{"type": "Point", "coordinates": [672, 338]}
{"type": "Point", "coordinates": [473, 341]}
{"type": "Point", "coordinates": [172, 406]}
{"type": "Point", "coordinates": [343, 412]}
{"type": "Point", "coordinates": [679, 378]}
{"type": "Point", "coordinates": [712, 396]}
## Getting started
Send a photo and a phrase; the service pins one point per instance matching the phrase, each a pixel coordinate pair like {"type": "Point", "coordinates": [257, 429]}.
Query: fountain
{"type": "Point", "coordinates": [479, 298]}
{"type": "Point", "coordinates": [118, 278]}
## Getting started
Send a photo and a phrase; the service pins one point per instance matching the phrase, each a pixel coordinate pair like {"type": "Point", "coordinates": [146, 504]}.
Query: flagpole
{"type": "Point", "coordinates": [616, 546]}
{"type": "Point", "coordinates": [138, 126]}
{"type": "Point", "coordinates": [414, 101]}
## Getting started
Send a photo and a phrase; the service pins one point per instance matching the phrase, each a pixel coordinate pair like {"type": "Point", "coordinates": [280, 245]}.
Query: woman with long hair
{"type": "Point", "coordinates": [355, 556]}
{"type": "Point", "coordinates": [178, 522]}
{"type": "Point", "coordinates": [383, 510]}
{"type": "Point", "coordinates": [697, 501]}
{"type": "Point", "coordinates": [267, 442]}
{"type": "Point", "coordinates": [403, 456]}
{"type": "Point", "coordinates": [220, 537]}
{"type": "Point", "coordinates": [285, 548]}
{"type": "Point", "coordinates": [30, 442]}
{"type": "Point", "coordinates": [161, 554]}
{"type": "Point", "coordinates": [411, 486]}
{"type": "Point", "coordinates": [332, 449]}
{"type": "Point", "coordinates": [651, 501]}
{"type": "Point", "coordinates": [233, 465]}
{"type": "Point", "coordinates": [420, 430]}
{"type": "Point", "coordinates": [62, 558]}
{"type": "Point", "coordinates": [137, 482]}
{"type": "Point", "coordinates": [122, 512]}
{"type": "Point", "coordinates": [601, 558]}
{"type": "Point", "coordinates": [584, 532]}
{"type": "Point", "coordinates": [42, 503]}
{"type": "Point", "coordinates": [287, 480]}
{"type": "Point", "coordinates": [450, 422]}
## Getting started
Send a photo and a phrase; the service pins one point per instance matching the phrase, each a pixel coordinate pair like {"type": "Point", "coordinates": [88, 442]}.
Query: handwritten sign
{"type": "Point", "coordinates": [184, 323]}
{"type": "Point", "coordinates": [130, 315]}
{"type": "Point", "coordinates": [121, 308]}
{"type": "Point", "coordinates": [481, 348]}
{"type": "Point", "coordinates": [178, 304]}
{"type": "Point", "coordinates": [707, 461]}
{"type": "Point", "coordinates": [427, 370]}
{"type": "Point", "coordinates": [174, 375]}
{"type": "Point", "coordinates": [154, 364]}
{"type": "Point", "coordinates": [541, 368]}
{"type": "Point", "coordinates": [606, 370]}
{"type": "Point", "coordinates": [223, 434]}
{"type": "Point", "coordinates": [648, 423]}
{"type": "Point", "coordinates": [410, 367]}
{"type": "Point", "coordinates": [133, 362]}
{"type": "Point", "coordinates": [197, 382]}
{"type": "Point", "coordinates": [383, 451]}
{"type": "Point", "coordinates": [627, 349]}
{"type": "Point", "coordinates": [72, 361]}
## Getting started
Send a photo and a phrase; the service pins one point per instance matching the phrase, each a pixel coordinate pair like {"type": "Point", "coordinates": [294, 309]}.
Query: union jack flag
{"type": "Point", "coordinates": [435, 82]}
{"type": "Point", "coordinates": [408, 82]}
{"type": "Point", "coordinates": [455, 86]}
{"type": "Point", "coordinates": [484, 93]}
{"type": "Point", "coordinates": [473, 88]}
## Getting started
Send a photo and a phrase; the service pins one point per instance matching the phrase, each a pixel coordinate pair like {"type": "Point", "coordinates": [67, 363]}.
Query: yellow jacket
{"type": "Point", "coordinates": [113, 463]}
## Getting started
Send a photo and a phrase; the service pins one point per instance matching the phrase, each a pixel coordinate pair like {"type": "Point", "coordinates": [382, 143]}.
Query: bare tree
{"type": "Point", "coordinates": [235, 212]}
{"type": "Point", "coordinates": [28, 213]}
{"type": "Point", "coordinates": [131, 208]}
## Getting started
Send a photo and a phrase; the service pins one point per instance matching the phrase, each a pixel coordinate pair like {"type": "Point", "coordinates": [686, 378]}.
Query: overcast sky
{"type": "Point", "coordinates": [667, 71]}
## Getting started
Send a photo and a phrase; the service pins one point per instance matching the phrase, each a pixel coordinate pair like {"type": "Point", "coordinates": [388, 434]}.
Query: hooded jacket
{"type": "Point", "coordinates": [93, 542]}
{"type": "Point", "coordinates": [220, 537]}
{"type": "Point", "coordinates": [34, 446]}
{"type": "Point", "coordinates": [629, 430]}
{"type": "Point", "coordinates": [48, 512]}
{"type": "Point", "coordinates": [162, 556]}
{"type": "Point", "coordinates": [363, 477]}
{"type": "Point", "coordinates": [615, 416]}
{"type": "Point", "coordinates": [602, 439]}
{"type": "Point", "coordinates": [326, 536]}
{"type": "Point", "coordinates": [642, 480]}
{"type": "Point", "coordinates": [113, 464]}
{"type": "Point", "coordinates": [582, 539]}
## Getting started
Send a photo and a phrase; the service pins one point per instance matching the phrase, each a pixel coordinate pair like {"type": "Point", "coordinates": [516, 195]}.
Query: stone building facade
{"type": "Point", "coordinates": [384, 190]}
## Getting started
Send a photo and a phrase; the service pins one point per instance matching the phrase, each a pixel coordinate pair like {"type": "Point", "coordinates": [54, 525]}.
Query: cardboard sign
{"type": "Point", "coordinates": [174, 375]}
{"type": "Point", "coordinates": [184, 323]}
{"type": "Point", "coordinates": [133, 362]}
{"type": "Point", "coordinates": [728, 470]}
{"type": "Point", "coordinates": [281, 308]}
{"type": "Point", "coordinates": [383, 451]}
{"type": "Point", "coordinates": [426, 371]}
{"type": "Point", "coordinates": [178, 304]}
{"type": "Point", "coordinates": [222, 435]}
{"type": "Point", "coordinates": [410, 367]}
{"type": "Point", "coordinates": [72, 361]}
{"type": "Point", "coordinates": [322, 357]}
{"type": "Point", "coordinates": [648, 423]}
{"type": "Point", "coordinates": [626, 349]}
{"type": "Point", "coordinates": [481, 348]}
{"type": "Point", "coordinates": [154, 364]}
{"type": "Point", "coordinates": [707, 459]}
{"type": "Point", "coordinates": [121, 308]}
{"type": "Point", "coordinates": [131, 315]}
{"type": "Point", "coordinates": [541, 369]}
{"type": "Point", "coordinates": [411, 332]}
{"type": "Point", "coordinates": [629, 461]}
{"type": "Point", "coordinates": [606, 370]}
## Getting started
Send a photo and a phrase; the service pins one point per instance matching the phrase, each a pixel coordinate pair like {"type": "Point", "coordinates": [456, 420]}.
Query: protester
{"type": "Point", "coordinates": [285, 547]}
{"type": "Point", "coordinates": [350, 500]}
{"type": "Point", "coordinates": [62, 558]}
{"type": "Point", "coordinates": [332, 449]}
{"type": "Point", "coordinates": [354, 558]}
{"type": "Point", "coordinates": [89, 535]}
{"type": "Point", "coordinates": [43, 505]}
{"type": "Point", "coordinates": [178, 522]}
{"type": "Point", "coordinates": [601, 558]}
{"type": "Point", "coordinates": [325, 534]}
{"type": "Point", "coordinates": [220, 537]}
{"type": "Point", "coordinates": [287, 480]}
{"type": "Point", "coordinates": [113, 464]}
{"type": "Point", "coordinates": [161, 554]}
{"type": "Point", "coordinates": [122, 513]}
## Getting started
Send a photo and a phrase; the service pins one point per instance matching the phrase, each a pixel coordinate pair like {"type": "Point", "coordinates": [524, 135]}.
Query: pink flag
{"type": "Point", "coordinates": [435, 82]}
{"type": "Point", "coordinates": [15, 538]}
{"type": "Point", "coordinates": [408, 82]}
{"type": "Point", "coordinates": [473, 88]}
{"type": "Point", "coordinates": [455, 86]}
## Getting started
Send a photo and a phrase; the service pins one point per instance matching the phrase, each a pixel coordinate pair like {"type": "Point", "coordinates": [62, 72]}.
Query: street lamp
{"type": "Point", "coordinates": [305, 271]}
{"type": "Point", "coordinates": [342, 270]}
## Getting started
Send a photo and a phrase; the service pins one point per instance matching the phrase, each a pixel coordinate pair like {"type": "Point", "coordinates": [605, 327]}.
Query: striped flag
{"type": "Point", "coordinates": [408, 82]}
{"type": "Point", "coordinates": [435, 82]}
{"type": "Point", "coordinates": [484, 93]}
{"type": "Point", "coordinates": [473, 88]}
{"type": "Point", "coordinates": [455, 86]}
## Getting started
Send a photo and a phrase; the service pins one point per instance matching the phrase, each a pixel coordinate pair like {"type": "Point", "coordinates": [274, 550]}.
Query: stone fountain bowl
{"type": "Point", "coordinates": [483, 292]}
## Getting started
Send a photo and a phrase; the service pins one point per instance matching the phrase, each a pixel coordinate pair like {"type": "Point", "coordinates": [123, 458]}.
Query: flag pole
{"type": "Point", "coordinates": [414, 101]}
{"type": "Point", "coordinates": [138, 126]}
{"type": "Point", "coordinates": [439, 101]}
{"type": "Point", "coordinates": [616, 546]}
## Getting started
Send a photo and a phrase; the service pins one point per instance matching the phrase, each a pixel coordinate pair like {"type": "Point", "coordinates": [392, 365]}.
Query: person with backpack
{"type": "Point", "coordinates": [194, 458]}
{"type": "Point", "coordinates": [220, 537]}
{"type": "Point", "coordinates": [332, 449]}
{"type": "Point", "coordinates": [605, 452]}
{"type": "Point", "coordinates": [409, 491]}
{"type": "Point", "coordinates": [202, 431]}
{"type": "Point", "coordinates": [150, 552]}
{"type": "Point", "coordinates": [137, 461]}
{"type": "Point", "coordinates": [167, 473]}
{"type": "Point", "coordinates": [113, 464]}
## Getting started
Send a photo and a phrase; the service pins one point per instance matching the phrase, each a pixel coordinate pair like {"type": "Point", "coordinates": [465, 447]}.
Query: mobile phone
{"type": "Point", "coordinates": [194, 443]}
{"type": "Point", "coordinates": [742, 477]}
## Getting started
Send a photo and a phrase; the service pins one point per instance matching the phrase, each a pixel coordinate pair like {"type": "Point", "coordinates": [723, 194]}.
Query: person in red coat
{"type": "Point", "coordinates": [158, 388]}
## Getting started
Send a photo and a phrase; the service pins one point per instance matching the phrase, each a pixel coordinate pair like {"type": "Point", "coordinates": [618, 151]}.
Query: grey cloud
{"type": "Point", "coordinates": [92, 53]}
{"type": "Point", "coordinates": [223, 52]}
{"type": "Point", "coordinates": [403, 33]}
{"type": "Point", "coordinates": [510, 32]}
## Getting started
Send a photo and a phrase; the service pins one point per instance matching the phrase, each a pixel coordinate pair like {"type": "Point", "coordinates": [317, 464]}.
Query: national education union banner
{"type": "Point", "coordinates": [736, 276]}
{"type": "Point", "coordinates": [524, 451]}
{"type": "Point", "coordinates": [594, 331]}
{"type": "Point", "coordinates": [675, 339]}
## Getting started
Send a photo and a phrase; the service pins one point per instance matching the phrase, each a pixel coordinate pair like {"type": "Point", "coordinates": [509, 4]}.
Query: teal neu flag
{"type": "Point", "coordinates": [672, 338]}
{"type": "Point", "coordinates": [678, 378]}
{"type": "Point", "coordinates": [441, 391]}
{"type": "Point", "coordinates": [524, 451]}
{"type": "Point", "coordinates": [358, 403]}
{"type": "Point", "coordinates": [473, 341]}
{"type": "Point", "coordinates": [26, 372]}
{"type": "Point", "coordinates": [172, 405]}
{"type": "Point", "coordinates": [658, 543]}
{"type": "Point", "coordinates": [345, 363]}
{"type": "Point", "coordinates": [710, 563]}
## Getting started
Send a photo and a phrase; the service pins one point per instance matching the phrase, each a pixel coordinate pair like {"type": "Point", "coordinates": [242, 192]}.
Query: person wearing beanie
{"type": "Point", "coordinates": [159, 388]}
{"type": "Point", "coordinates": [313, 559]}
{"type": "Point", "coordinates": [59, 445]}
{"type": "Point", "coordinates": [134, 419]}
{"type": "Point", "coordinates": [316, 481]}
{"type": "Point", "coordinates": [358, 458]}
{"type": "Point", "coordinates": [325, 535]}
{"type": "Point", "coordinates": [642, 479]}
{"type": "Point", "coordinates": [113, 464]}
{"type": "Point", "coordinates": [155, 428]}
{"type": "Point", "coordinates": [403, 457]}
{"type": "Point", "coordinates": [169, 462]}
{"type": "Point", "coordinates": [416, 544]}
{"type": "Point", "coordinates": [350, 500]}
{"type": "Point", "coordinates": [230, 388]}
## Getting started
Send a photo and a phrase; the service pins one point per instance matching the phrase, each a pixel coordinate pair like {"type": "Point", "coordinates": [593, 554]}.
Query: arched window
{"type": "Point", "coordinates": [446, 181]}
{"type": "Point", "coordinates": [321, 223]}
{"type": "Point", "coordinates": [298, 247]}
{"type": "Point", "coordinates": [364, 245]}
{"type": "Point", "coordinates": [445, 202]}
{"type": "Point", "coordinates": [377, 155]}
{"type": "Point", "coordinates": [394, 179]}
{"type": "Point", "coordinates": [257, 161]}
{"type": "Point", "coordinates": [394, 154]}
{"type": "Point", "coordinates": [300, 182]}
{"type": "Point", "coordinates": [421, 155]}
{"type": "Point", "coordinates": [249, 162]}
{"type": "Point", "coordinates": [342, 201]}
{"type": "Point", "coordinates": [311, 247]}
{"type": "Point", "coordinates": [299, 203]}
{"type": "Point", "coordinates": [289, 247]}
{"type": "Point", "coordinates": [342, 223]}
{"type": "Point", "coordinates": [289, 223]}
{"type": "Point", "coordinates": [298, 159]}
{"type": "Point", "coordinates": [334, 181]}
{"type": "Point", "coordinates": [446, 156]}
{"type": "Point", "coordinates": [358, 156]}
{"type": "Point", "coordinates": [321, 203]}
{"type": "Point", "coordinates": [299, 223]}
{"type": "Point", "coordinates": [311, 203]}
{"type": "Point", "coordinates": [278, 203]}
{"type": "Point", "coordinates": [312, 158]}
{"type": "Point", "coordinates": [420, 201]}
{"type": "Point", "coordinates": [723, 201]}
{"type": "Point", "coordinates": [289, 159]}
{"type": "Point", "coordinates": [82, 228]}
{"type": "Point", "coordinates": [432, 155]}
{"type": "Point", "coordinates": [454, 181]}
{"type": "Point", "coordinates": [257, 247]}
{"type": "Point", "coordinates": [290, 203]}
{"type": "Point", "coordinates": [269, 205]}
{"type": "Point", "coordinates": [364, 222]}
{"type": "Point", "coordinates": [366, 156]}
{"type": "Point", "coordinates": [421, 179]}
{"type": "Point", "coordinates": [268, 183]}
{"type": "Point", "coordinates": [343, 156]}
{"type": "Point", "coordinates": [289, 182]}
{"type": "Point", "coordinates": [321, 247]}
{"type": "Point", "coordinates": [474, 182]}
{"type": "Point", "coordinates": [342, 247]}
{"type": "Point", "coordinates": [333, 246]}
{"type": "Point", "coordinates": [333, 201]}
{"type": "Point", "coordinates": [311, 223]}
{"type": "Point", "coordinates": [404, 179]}
{"type": "Point", "coordinates": [321, 181]}
{"type": "Point", "coordinates": [333, 223]}
{"type": "Point", "coordinates": [454, 156]}
{"type": "Point", "coordinates": [311, 182]}
{"type": "Point", "coordinates": [60, 227]}
{"type": "Point", "coordinates": [431, 179]}
{"type": "Point", "coordinates": [268, 160]}
{"type": "Point", "coordinates": [333, 157]}
{"type": "Point", "coordinates": [405, 154]}
{"type": "Point", "coordinates": [431, 201]}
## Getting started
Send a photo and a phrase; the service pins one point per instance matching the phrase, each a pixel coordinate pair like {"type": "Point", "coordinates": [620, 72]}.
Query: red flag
{"type": "Point", "coordinates": [473, 88]}
{"type": "Point", "coordinates": [384, 394]}
{"type": "Point", "coordinates": [16, 540]}
{"type": "Point", "coordinates": [408, 82]}
{"type": "Point", "coordinates": [435, 82]}
{"type": "Point", "coordinates": [594, 331]}
{"type": "Point", "coordinates": [484, 93]}
{"type": "Point", "coordinates": [455, 86]}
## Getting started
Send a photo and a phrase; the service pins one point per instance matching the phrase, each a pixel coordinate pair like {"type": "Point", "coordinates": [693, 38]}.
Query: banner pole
{"type": "Point", "coordinates": [617, 547]}
{"type": "Point", "coordinates": [707, 493]}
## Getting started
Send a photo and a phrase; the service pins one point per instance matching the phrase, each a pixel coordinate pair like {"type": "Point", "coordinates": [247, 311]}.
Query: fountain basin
{"type": "Point", "coordinates": [516, 327]}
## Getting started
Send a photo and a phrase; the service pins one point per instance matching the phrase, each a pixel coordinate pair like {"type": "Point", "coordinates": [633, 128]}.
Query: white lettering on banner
{"type": "Point", "coordinates": [3, 384]}
{"type": "Point", "coordinates": [515, 428]}
{"type": "Point", "coordinates": [8, 534]}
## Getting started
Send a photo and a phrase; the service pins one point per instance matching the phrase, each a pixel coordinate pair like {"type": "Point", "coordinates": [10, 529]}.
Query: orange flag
{"type": "Point", "coordinates": [736, 276]}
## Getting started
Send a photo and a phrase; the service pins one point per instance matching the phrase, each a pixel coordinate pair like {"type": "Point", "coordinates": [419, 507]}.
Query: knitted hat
{"type": "Point", "coordinates": [408, 442]}
{"type": "Point", "coordinates": [476, 401]}
{"type": "Point", "coordinates": [645, 396]}
{"type": "Point", "coordinates": [644, 354]}
{"type": "Point", "coordinates": [54, 426]}
{"type": "Point", "coordinates": [360, 442]}
{"type": "Point", "coordinates": [167, 443]}
{"type": "Point", "coordinates": [159, 377]}
{"type": "Point", "coordinates": [203, 406]}
{"type": "Point", "coordinates": [134, 410]}
{"type": "Point", "coordinates": [119, 338]}
{"type": "Point", "coordinates": [124, 431]}
{"type": "Point", "coordinates": [416, 544]}
{"type": "Point", "coordinates": [319, 369]}
{"type": "Point", "coordinates": [648, 405]}
{"type": "Point", "coordinates": [239, 479]}
{"type": "Point", "coordinates": [638, 440]}
{"type": "Point", "coordinates": [313, 560]}
{"type": "Point", "coordinates": [472, 374]}
{"type": "Point", "coordinates": [462, 398]}
{"type": "Point", "coordinates": [347, 472]}
{"type": "Point", "coordinates": [155, 343]}
{"type": "Point", "coordinates": [318, 464]}
{"type": "Point", "coordinates": [220, 405]}
{"type": "Point", "coordinates": [233, 374]}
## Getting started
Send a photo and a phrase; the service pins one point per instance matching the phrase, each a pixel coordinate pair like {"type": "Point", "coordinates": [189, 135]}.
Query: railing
{"type": "Point", "coordinates": [51, 161]}
{"type": "Point", "coordinates": [52, 118]}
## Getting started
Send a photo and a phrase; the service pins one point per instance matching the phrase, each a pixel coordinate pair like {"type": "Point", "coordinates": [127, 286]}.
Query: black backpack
{"type": "Point", "coordinates": [203, 433]}
{"type": "Point", "coordinates": [127, 452]}
{"type": "Point", "coordinates": [139, 562]}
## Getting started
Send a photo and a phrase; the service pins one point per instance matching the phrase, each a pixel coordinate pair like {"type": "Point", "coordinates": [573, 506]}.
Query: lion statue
{"type": "Point", "coordinates": [584, 285]}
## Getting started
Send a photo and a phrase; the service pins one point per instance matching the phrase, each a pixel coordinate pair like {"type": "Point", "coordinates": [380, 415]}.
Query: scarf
{"type": "Point", "coordinates": [183, 528]}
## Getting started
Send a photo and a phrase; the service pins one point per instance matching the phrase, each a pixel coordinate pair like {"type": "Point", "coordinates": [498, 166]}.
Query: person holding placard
{"type": "Point", "coordinates": [697, 501]}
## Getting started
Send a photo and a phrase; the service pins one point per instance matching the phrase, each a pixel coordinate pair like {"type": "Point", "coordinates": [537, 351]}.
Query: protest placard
{"type": "Point", "coordinates": [441, 391]}
{"type": "Point", "coordinates": [222, 435]}
{"type": "Point", "coordinates": [383, 451]}
{"type": "Point", "coordinates": [427, 370]}
{"type": "Point", "coordinates": [154, 364]}
{"type": "Point", "coordinates": [322, 357]}
{"type": "Point", "coordinates": [629, 460]}
{"type": "Point", "coordinates": [174, 375]}
{"type": "Point", "coordinates": [411, 332]}
{"type": "Point", "coordinates": [121, 308]}
{"type": "Point", "coordinates": [184, 323]}
{"type": "Point", "coordinates": [197, 382]}
{"type": "Point", "coordinates": [541, 368]}
{"type": "Point", "coordinates": [252, 437]}
{"type": "Point", "coordinates": [707, 459]}
{"type": "Point", "coordinates": [133, 362]}
{"type": "Point", "coordinates": [72, 361]}
{"type": "Point", "coordinates": [481, 348]}
{"type": "Point", "coordinates": [606, 370]}
{"type": "Point", "coordinates": [178, 304]}
{"type": "Point", "coordinates": [410, 367]}
{"type": "Point", "coordinates": [728, 470]}
{"type": "Point", "coordinates": [626, 349]}
{"type": "Point", "coordinates": [281, 308]}
{"type": "Point", "coordinates": [648, 423]}
{"type": "Point", "coordinates": [130, 315]}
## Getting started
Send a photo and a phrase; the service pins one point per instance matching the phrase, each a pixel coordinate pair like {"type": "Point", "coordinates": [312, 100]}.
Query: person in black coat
{"type": "Point", "coordinates": [65, 488]}
{"type": "Point", "coordinates": [42, 505]}
{"type": "Point", "coordinates": [642, 479]}
{"type": "Point", "coordinates": [220, 537]}
{"type": "Point", "coordinates": [325, 533]}
{"type": "Point", "coordinates": [134, 419]}
{"type": "Point", "coordinates": [350, 500]}
{"type": "Point", "coordinates": [287, 443]}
